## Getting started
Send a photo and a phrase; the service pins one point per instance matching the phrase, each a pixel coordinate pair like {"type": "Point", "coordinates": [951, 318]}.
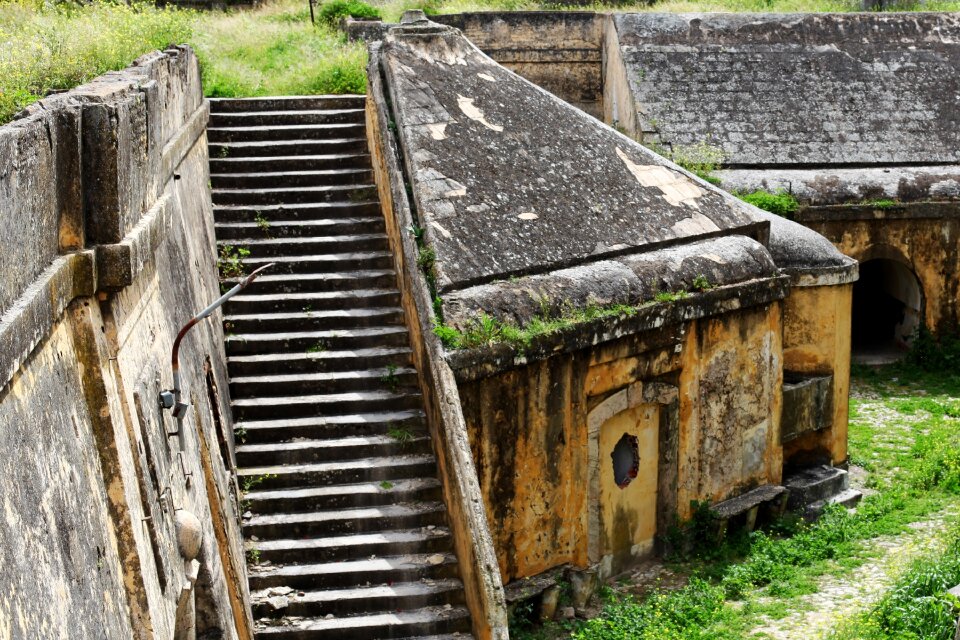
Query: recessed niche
{"type": "Point", "coordinates": [626, 460]}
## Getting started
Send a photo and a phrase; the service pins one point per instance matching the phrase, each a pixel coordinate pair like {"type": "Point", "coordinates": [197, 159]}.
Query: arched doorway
{"type": "Point", "coordinates": [887, 311]}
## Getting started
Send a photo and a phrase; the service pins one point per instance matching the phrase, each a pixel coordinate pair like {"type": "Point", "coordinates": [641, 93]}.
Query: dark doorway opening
{"type": "Point", "coordinates": [887, 303]}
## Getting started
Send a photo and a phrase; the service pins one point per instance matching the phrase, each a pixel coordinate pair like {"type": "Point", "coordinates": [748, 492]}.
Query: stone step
{"type": "Point", "coordinates": [285, 133]}
{"type": "Point", "coordinates": [310, 245]}
{"type": "Point", "coordinates": [319, 474]}
{"type": "Point", "coordinates": [321, 404]}
{"type": "Point", "coordinates": [312, 301]}
{"type": "Point", "coordinates": [343, 602]}
{"type": "Point", "coordinates": [266, 228]}
{"type": "Point", "coordinates": [290, 163]}
{"type": "Point", "coordinates": [391, 379]}
{"type": "Point", "coordinates": [848, 498]}
{"type": "Point", "coordinates": [344, 521]}
{"type": "Point", "coordinates": [390, 624]}
{"type": "Point", "coordinates": [313, 320]}
{"type": "Point", "coordinates": [313, 342]}
{"type": "Point", "coordinates": [334, 426]}
{"type": "Point", "coordinates": [311, 211]}
{"type": "Point", "coordinates": [377, 571]}
{"type": "Point", "coordinates": [306, 451]}
{"type": "Point", "coordinates": [343, 496]}
{"type": "Point", "coordinates": [318, 361]}
{"type": "Point", "coordinates": [320, 263]}
{"type": "Point", "coordinates": [285, 118]}
{"type": "Point", "coordinates": [321, 281]}
{"type": "Point", "coordinates": [291, 195]}
{"type": "Point", "coordinates": [287, 103]}
{"type": "Point", "coordinates": [301, 178]}
{"type": "Point", "coordinates": [814, 483]}
{"type": "Point", "coordinates": [283, 148]}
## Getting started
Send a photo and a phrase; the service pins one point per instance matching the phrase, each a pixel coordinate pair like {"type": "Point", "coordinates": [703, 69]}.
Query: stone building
{"type": "Point", "coordinates": [702, 349]}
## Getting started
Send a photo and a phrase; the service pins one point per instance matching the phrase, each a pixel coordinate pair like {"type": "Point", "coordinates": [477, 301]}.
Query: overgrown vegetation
{"type": "Point", "coordinates": [230, 261]}
{"type": "Point", "coordinates": [47, 47]}
{"type": "Point", "coordinates": [700, 159]}
{"type": "Point", "coordinates": [332, 12]}
{"type": "Point", "coordinates": [780, 203]}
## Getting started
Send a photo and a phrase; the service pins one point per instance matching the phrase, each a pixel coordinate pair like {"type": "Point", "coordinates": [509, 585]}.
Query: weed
{"type": "Point", "coordinates": [223, 152]}
{"type": "Point", "coordinates": [240, 434]}
{"type": "Point", "coordinates": [670, 296]}
{"type": "Point", "coordinates": [319, 347]}
{"type": "Point", "coordinates": [253, 555]}
{"type": "Point", "coordinates": [386, 485]}
{"type": "Point", "coordinates": [780, 203]}
{"type": "Point", "coordinates": [307, 309]}
{"type": "Point", "coordinates": [701, 283]}
{"type": "Point", "coordinates": [701, 160]}
{"type": "Point", "coordinates": [262, 223]}
{"type": "Point", "coordinates": [390, 378]}
{"type": "Point", "coordinates": [252, 481]}
{"type": "Point", "coordinates": [881, 204]}
{"type": "Point", "coordinates": [403, 435]}
{"type": "Point", "coordinates": [230, 261]}
{"type": "Point", "coordinates": [427, 262]}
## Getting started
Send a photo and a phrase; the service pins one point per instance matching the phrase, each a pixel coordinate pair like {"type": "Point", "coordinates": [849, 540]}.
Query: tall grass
{"type": "Point", "coordinates": [44, 47]}
{"type": "Point", "coordinates": [275, 50]}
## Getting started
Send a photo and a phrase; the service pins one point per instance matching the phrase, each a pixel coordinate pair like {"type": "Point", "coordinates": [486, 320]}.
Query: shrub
{"type": "Point", "coordinates": [332, 12]}
{"type": "Point", "coordinates": [780, 203]}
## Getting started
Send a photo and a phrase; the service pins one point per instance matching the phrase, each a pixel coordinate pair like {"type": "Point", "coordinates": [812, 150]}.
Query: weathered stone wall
{"type": "Point", "coordinates": [560, 51]}
{"type": "Point", "coordinates": [531, 439]}
{"type": "Point", "coordinates": [110, 182]}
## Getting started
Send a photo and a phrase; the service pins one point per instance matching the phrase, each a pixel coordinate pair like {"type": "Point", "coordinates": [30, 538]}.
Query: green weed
{"type": "Point", "coordinates": [262, 223]}
{"type": "Point", "coordinates": [318, 347]}
{"type": "Point", "coordinates": [781, 203]}
{"type": "Point", "coordinates": [230, 261]}
{"type": "Point", "coordinates": [403, 435]}
{"type": "Point", "coordinates": [332, 12]}
{"type": "Point", "coordinates": [386, 485]}
{"type": "Point", "coordinates": [390, 378]}
{"type": "Point", "coordinates": [250, 482]}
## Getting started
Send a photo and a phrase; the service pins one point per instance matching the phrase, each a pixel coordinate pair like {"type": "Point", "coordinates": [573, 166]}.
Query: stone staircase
{"type": "Point", "coordinates": [344, 521]}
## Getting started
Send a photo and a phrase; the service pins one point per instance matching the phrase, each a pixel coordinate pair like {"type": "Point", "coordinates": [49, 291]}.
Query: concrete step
{"type": "Point", "coordinates": [391, 624]}
{"type": "Point", "coordinates": [312, 301]}
{"type": "Point", "coordinates": [848, 498]}
{"type": "Point", "coordinates": [334, 426]}
{"type": "Point", "coordinates": [290, 163]}
{"type": "Point", "coordinates": [310, 245]}
{"type": "Point", "coordinates": [313, 320]}
{"type": "Point", "coordinates": [322, 281]}
{"type": "Point", "coordinates": [236, 232]}
{"type": "Point", "coordinates": [343, 602]}
{"type": "Point", "coordinates": [814, 483]}
{"type": "Point", "coordinates": [392, 379]}
{"type": "Point", "coordinates": [377, 571]}
{"type": "Point", "coordinates": [313, 342]}
{"type": "Point", "coordinates": [305, 406]}
{"type": "Point", "coordinates": [310, 211]}
{"type": "Point", "coordinates": [282, 148]}
{"type": "Point", "coordinates": [291, 195]}
{"type": "Point", "coordinates": [306, 451]}
{"type": "Point", "coordinates": [343, 496]}
{"type": "Point", "coordinates": [319, 474]}
{"type": "Point", "coordinates": [301, 178]}
{"type": "Point", "coordinates": [286, 117]}
{"type": "Point", "coordinates": [344, 521]}
{"type": "Point", "coordinates": [286, 133]}
{"type": "Point", "coordinates": [318, 361]}
{"type": "Point", "coordinates": [324, 263]}
{"type": "Point", "coordinates": [287, 103]}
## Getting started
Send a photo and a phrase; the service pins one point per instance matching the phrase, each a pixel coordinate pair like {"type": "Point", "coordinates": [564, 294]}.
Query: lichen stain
{"type": "Point", "coordinates": [474, 113]}
{"type": "Point", "coordinates": [675, 188]}
{"type": "Point", "coordinates": [438, 130]}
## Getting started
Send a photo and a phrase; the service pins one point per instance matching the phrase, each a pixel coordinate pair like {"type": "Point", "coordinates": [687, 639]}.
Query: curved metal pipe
{"type": "Point", "coordinates": [171, 399]}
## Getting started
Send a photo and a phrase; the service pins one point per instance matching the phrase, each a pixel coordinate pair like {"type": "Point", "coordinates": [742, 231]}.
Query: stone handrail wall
{"type": "Point", "coordinates": [130, 527]}
{"type": "Point", "coordinates": [465, 508]}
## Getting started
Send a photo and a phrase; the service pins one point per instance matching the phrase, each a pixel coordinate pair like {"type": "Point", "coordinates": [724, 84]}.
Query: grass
{"type": "Point", "coordinates": [780, 203]}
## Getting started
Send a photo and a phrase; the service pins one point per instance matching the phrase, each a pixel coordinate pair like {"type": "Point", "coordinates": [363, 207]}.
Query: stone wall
{"type": "Point", "coordinates": [105, 209]}
{"type": "Point", "coordinates": [560, 51]}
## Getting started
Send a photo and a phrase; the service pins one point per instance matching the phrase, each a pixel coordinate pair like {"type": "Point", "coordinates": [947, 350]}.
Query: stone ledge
{"type": "Point", "coordinates": [28, 321]}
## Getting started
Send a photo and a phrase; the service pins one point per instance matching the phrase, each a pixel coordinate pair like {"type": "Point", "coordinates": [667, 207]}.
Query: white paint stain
{"type": "Point", "coordinates": [456, 193]}
{"type": "Point", "coordinates": [694, 225]}
{"type": "Point", "coordinates": [443, 232]}
{"type": "Point", "coordinates": [715, 258]}
{"type": "Point", "coordinates": [528, 215]}
{"type": "Point", "coordinates": [675, 188]}
{"type": "Point", "coordinates": [438, 130]}
{"type": "Point", "coordinates": [474, 113]}
{"type": "Point", "coordinates": [486, 77]}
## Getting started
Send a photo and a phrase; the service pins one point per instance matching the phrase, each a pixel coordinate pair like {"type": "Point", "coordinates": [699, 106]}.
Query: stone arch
{"type": "Point", "coordinates": [888, 304]}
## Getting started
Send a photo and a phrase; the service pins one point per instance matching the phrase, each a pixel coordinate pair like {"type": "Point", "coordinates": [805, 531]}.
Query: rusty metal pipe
{"type": "Point", "coordinates": [172, 399]}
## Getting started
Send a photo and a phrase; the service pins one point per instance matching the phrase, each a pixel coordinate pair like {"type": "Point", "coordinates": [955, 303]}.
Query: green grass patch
{"type": "Point", "coordinates": [332, 12]}
{"type": "Point", "coordinates": [780, 203]}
